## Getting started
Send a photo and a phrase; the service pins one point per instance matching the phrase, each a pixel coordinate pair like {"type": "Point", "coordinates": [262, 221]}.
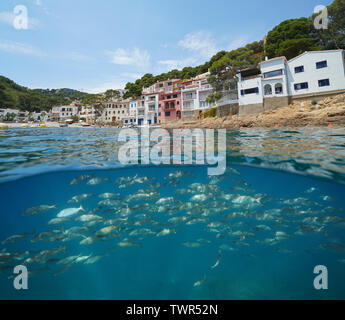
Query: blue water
{"type": "Point", "coordinates": [279, 167]}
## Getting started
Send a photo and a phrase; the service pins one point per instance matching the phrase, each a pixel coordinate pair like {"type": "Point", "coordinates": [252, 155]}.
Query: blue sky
{"type": "Point", "coordinates": [94, 45]}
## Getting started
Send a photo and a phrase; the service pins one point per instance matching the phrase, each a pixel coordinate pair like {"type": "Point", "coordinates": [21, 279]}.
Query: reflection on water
{"type": "Point", "coordinates": [311, 151]}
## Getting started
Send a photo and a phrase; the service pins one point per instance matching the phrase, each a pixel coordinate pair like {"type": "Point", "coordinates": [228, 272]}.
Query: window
{"type": "Point", "coordinates": [279, 88]}
{"type": "Point", "coordinates": [301, 86]}
{"type": "Point", "coordinates": [168, 97]}
{"type": "Point", "coordinates": [321, 64]}
{"type": "Point", "coordinates": [273, 73]}
{"type": "Point", "coordinates": [324, 83]}
{"type": "Point", "coordinates": [167, 114]}
{"type": "Point", "coordinates": [249, 91]}
{"type": "Point", "coordinates": [175, 96]}
{"type": "Point", "coordinates": [268, 90]}
{"type": "Point", "coordinates": [299, 69]}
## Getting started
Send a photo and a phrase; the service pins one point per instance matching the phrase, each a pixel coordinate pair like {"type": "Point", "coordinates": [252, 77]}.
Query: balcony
{"type": "Point", "coordinates": [189, 97]}
{"type": "Point", "coordinates": [169, 106]}
{"type": "Point", "coordinates": [188, 106]}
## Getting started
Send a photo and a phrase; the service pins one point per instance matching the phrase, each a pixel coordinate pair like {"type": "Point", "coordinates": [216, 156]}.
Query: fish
{"type": "Point", "coordinates": [38, 210]}
{"type": "Point", "coordinates": [88, 240]}
{"type": "Point", "coordinates": [105, 231]}
{"type": "Point", "coordinates": [17, 237]}
{"type": "Point", "coordinates": [218, 260]}
{"type": "Point", "coordinates": [165, 232]}
{"type": "Point", "coordinates": [68, 260]}
{"type": "Point", "coordinates": [179, 174]}
{"type": "Point", "coordinates": [199, 198]}
{"type": "Point", "coordinates": [88, 217]}
{"type": "Point", "coordinates": [165, 201]}
{"type": "Point", "coordinates": [93, 259]}
{"type": "Point", "coordinates": [44, 255]}
{"type": "Point", "coordinates": [227, 247]}
{"type": "Point", "coordinates": [126, 243]}
{"type": "Point", "coordinates": [192, 244]}
{"type": "Point", "coordinates": [81, 258]}
{"type": "Point", "coordinates": [80, 179]}
{"type": "Point", "coordinates": [110, 202]}
{"type": "Point", "coordinates": [311, 190]}
{"type": "Point", "coordinates": [108, 195]}
{"type": "Point", "coordinates": [200, 282]}
{"type": "Point", "coordinates": [70, 212]}
{"type": "Point", "coordinates": [234, 171]}
{"type": "Point", "coordinates": [246, 200]}
{"type": "Point", "coordinates": [96, 181]}
{"type": "Point", "coordinates": [49, 236]}
{"type": "Point", "coordinates": [80, 198]}
{"type": "Point", "coordinates": [64, 269]}
{"type": "Point", "coordinates": [55, 221]}
{"type": "Point", "coordinates": [141, 232]}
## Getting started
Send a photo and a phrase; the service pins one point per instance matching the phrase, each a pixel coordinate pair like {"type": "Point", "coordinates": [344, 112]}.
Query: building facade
{"type": "Point", "coordinates": [63, 113]}
{"type": "Point", "coordinates": [151, 108]}
{"type": "Point", "coordinates": [88, 114]}
{"type": "Point", "coordinates": [194, 95]}
{"type": "Point", "coordinates": [277, 82]}
{"type": "Point", "coordinates": [115, 111]}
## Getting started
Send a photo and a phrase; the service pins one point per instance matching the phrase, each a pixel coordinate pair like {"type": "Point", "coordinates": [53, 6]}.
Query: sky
{"type": "Point", "coordinates": [93, 46]}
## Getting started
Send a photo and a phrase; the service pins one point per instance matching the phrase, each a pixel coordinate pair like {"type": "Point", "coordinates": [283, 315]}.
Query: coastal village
{"type": "Point", "coordinates": [303, 82]}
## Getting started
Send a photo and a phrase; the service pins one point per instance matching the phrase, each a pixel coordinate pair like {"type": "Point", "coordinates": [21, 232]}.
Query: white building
{"type": "Point", "coordinates": [311, 75]}
{"type": "Point", "coordinates": [115, 111]}
{"type": "Point", "coordinates": [140, 114]}
{"type": "Point", "coordinates": [316, 73]}
{"type": "Point", "coordinates": [63, 113]}
{"type": "Point", "coordinates": [151, 102]}
{"type": "Point", "coordinates": [88, 114]}
{"type": "Point", "coordinates": [4, 112]}
{"type": "Point", "coordinates": [194, 95]}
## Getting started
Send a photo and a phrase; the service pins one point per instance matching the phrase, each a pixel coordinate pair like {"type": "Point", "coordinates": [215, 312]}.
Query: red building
{"type": "Point", "coordinates": [169, 107]}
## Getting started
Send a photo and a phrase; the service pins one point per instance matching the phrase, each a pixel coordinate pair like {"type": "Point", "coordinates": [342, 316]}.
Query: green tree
{"type": "Point", "coordinates": [279, 39]}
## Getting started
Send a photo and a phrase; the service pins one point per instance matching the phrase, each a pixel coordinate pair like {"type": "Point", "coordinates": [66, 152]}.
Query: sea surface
{"type": "Point", "coordinates": [172, 231]}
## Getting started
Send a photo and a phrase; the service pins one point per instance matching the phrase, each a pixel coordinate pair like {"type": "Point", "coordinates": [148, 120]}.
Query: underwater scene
{"type": "Point", "coordinates": [88, 227]}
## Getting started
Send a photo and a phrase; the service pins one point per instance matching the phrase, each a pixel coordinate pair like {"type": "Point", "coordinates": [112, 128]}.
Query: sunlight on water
{"type": "Point", "coordinates": [172, 232]}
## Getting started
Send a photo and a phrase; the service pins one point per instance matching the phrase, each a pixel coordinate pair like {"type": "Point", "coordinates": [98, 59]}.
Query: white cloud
{"type": "Point", "coordinates": [132, 75]}
{"type": "Point", "coordinates": [201, 43]}
{"type": "Point", "coordinates": [238, 42]}
{"type": "Point", "coordinates": [103, 87]}
{"type": "Point", "coordinates": [19, 48]}
{"type": "Point", "coordinates": [178, 64]}
{"type": "Point", "coordinates": [8, 18]}
{"type": "Point", "coordinates": [131, 57]}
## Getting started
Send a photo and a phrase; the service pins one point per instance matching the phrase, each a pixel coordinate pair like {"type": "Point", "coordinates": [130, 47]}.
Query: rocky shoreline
{"type": "Point", "coordinates": [328, 112]}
